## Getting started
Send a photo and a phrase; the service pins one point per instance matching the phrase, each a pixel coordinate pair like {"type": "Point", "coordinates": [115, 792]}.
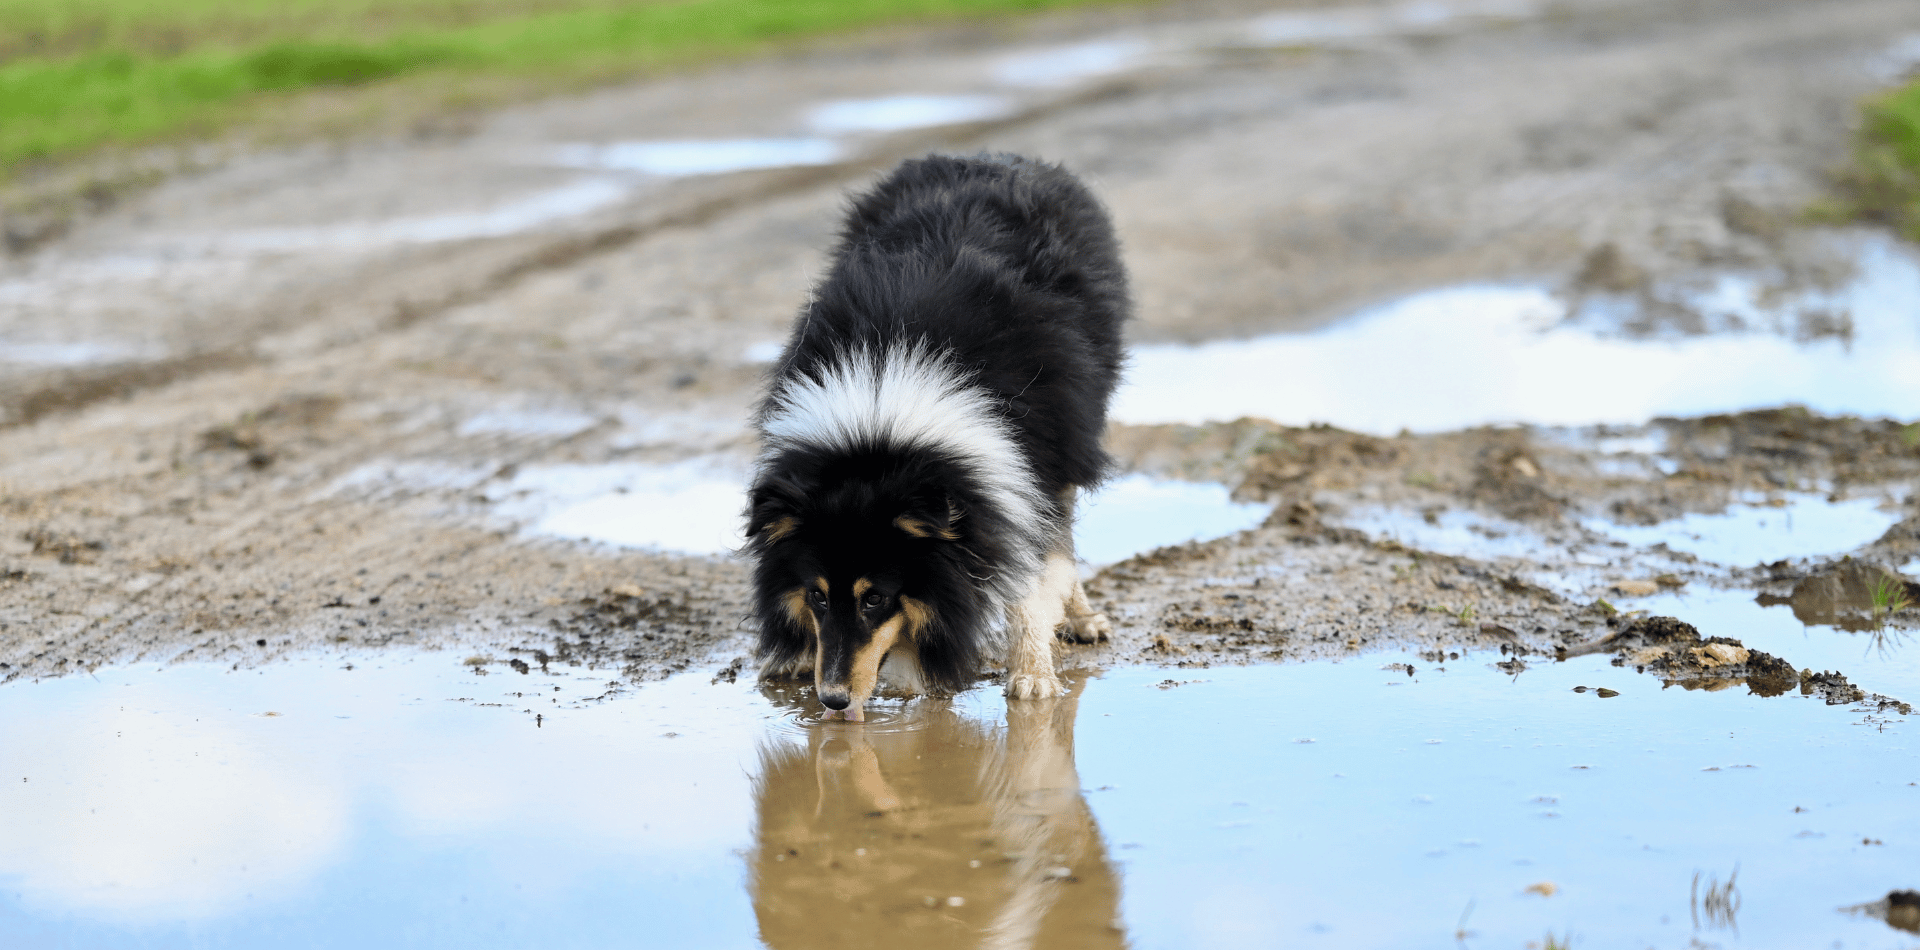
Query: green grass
{"type": "Point", "coordinates": [1889, 597]}
{"type": "Point", "coordinates": [1884, 183]}
{"type": "Point", "coordinates": [80, 75]}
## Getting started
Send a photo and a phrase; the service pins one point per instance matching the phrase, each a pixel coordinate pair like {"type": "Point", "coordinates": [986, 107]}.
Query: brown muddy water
{"type": "Point", "coordinates": [1387, 800]}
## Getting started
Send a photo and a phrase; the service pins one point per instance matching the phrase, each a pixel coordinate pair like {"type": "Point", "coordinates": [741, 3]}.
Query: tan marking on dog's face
{"type": "Point", "coordinates": [921, 529]}
{"type": "Point", "coordinates": [860, 588]}
{"type": "Point", "coordinates": [780, 528]}
{"type": "Point", "coordinates": [919, 616]}
{"type": "Point", "coordinates": [800, 613]}
{"type": "Point", "coordinates": [865, 674]}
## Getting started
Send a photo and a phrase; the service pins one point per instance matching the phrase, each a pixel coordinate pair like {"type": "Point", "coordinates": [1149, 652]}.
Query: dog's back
{"type": "Point", "coordinates": [1008, 263]}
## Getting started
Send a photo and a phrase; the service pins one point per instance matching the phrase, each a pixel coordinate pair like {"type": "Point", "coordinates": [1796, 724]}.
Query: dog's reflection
{"type": "Point", "coordinates": [932, 830]}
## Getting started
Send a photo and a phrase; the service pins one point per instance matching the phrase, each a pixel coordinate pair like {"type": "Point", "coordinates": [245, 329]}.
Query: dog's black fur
{"type": "Point", "coordinates": [1004, 272]}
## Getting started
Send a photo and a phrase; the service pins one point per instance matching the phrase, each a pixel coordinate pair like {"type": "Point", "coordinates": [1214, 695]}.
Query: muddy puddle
{"type": "Point", "coordinates": [1388, 800]}
{"type": "Point", "coordinates": [694, 507]}
{"type": "Point", "coordinates": [700, 157]}
{"type": "Point", "coordinates": [895, 113]}
{"type": "Point", "coordinates": [1484, 354]}
{"type": "Point", "coordinates": [1788, 526]}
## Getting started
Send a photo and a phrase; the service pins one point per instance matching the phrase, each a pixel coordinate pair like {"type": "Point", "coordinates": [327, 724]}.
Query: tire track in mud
{"type": "Point", "coordinates": [76, 389]}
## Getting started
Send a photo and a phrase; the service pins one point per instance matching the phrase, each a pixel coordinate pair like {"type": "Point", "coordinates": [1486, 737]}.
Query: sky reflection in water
{"type": "Point", "coordinates": [162, 808]}
{"type": "Point", "coordinates": [1477, 355]}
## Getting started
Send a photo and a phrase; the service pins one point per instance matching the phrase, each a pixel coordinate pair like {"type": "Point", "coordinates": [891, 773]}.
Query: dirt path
{"type": "Point", "coordinates": [305, 398]}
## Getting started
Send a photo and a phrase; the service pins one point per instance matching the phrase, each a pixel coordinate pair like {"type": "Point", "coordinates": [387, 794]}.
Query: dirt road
{"type": "Point", "coordinates": [318, 396]}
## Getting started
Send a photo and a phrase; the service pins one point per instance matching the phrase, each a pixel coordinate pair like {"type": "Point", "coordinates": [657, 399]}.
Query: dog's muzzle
{"type": "Point", "coordinates": [835, 697]}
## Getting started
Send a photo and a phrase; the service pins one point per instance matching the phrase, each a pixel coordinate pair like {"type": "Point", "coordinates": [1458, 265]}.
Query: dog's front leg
{"type": "Point", "coordinates": [1031, 624]}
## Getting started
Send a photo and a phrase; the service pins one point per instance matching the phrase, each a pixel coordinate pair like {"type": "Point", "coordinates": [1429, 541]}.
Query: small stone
{"type": "Point", "coordinates": [956, 901]}
{"type": "Point", "coordinates": [1636, 588]}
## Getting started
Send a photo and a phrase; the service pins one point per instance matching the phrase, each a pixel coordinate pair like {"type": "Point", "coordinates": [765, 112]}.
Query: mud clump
{"type": "Point", "coordinates": [1903, 910]}
{"type": "Point", "coordinates": [1607, 269]}
{"type": "Point", "coordinates": [1675, 651]}
{"type": "Point", "coordinates": [1776, 448]}
{"type": "Point", "coordinates": [1660, 630]}
{"type": "Point", "coordinates": [1509, 480]}
{"type": "Point", "coordinates": [1316, 458]}
{"type": "Point", "coordinates": [1852, 595]}
{"type": "Point", "coordinates": [262, 437]}
{"type": "Point", "coordinates": [1831, 686]}
{"type": "Point", "coordinates": [64, 547]}
{"type": "Point", "coordinates": [1768, 675]}
{"type": "Point", "coordinates": [1899, 909]}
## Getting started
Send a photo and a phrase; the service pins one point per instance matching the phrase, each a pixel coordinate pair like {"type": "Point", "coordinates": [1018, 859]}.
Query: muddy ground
{"type": "Point", "coordinates": [276, 449]}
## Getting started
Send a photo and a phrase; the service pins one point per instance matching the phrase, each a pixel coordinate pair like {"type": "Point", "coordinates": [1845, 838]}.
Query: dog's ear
{"type": "Point", "coordinates": [933, 515]}
{"type": "Point", "coordinates": [773, 511]}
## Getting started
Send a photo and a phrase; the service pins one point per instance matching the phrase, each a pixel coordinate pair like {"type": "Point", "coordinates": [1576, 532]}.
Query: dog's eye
{"type": "Point", "coordinates": [873, 600]}
{"type": "Point", "coordinates": [818, 599]}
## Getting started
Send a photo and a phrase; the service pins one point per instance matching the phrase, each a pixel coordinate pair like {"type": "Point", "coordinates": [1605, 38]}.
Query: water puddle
{"type": "Point", "coordinates": [338, 802]}
{"type": "Point", "coordinates": [1478, 355]}
{"type": "Point", "coordinates": [1789, 527]}
{"type": "Point", "coordinates": [696, 507]}
{"type": "Point", "coordinates": [896, 113]}
{"type": "Point", "coordinates": [692, 507]}
{"type": "Point", "coordinates": [1456, 531]}
{"type": "Point", "coordinates": [700, 157]}
{"type": "Point", "coordinates": [525, 422]}
{"type": "Point", "coordinates": [70, 354]}
{"type": "Point", "coordinates": [1342, 26]}
{"type": "Point", "coordinates": [1136, 514]}
{"type": "Point", "coordinates": [1073, 63]}
{"type": "Point", "coordinates": [515, 217]}
{"type": "Point", "coordinates": [1898, 61]}
{"type": "Point", "coordinates": [389, 479]}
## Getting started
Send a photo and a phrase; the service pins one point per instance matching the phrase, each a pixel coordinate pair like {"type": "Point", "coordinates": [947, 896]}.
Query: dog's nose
{"type": "Point", "coordinates": [834, 698]}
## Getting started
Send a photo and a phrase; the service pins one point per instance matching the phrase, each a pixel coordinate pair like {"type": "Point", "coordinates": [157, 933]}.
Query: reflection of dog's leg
{"type": "Point", "coordinates": [1031, 624]}
{"type": "Point", "coordinates": [1042, 822]}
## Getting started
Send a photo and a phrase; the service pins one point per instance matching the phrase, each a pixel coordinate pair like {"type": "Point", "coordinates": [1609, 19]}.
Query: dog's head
{"type": "Point", "coordinates": [852, 571]}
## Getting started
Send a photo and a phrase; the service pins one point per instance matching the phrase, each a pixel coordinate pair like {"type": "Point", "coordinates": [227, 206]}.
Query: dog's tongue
{"type": "Point", "coordinates": [850, 714]}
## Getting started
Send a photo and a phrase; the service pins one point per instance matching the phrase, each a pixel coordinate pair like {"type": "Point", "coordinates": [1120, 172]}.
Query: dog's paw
{"type": "Point", "coordinates": [1034, 686]}
{"type": "Point", "coordinates": [1087, 628]}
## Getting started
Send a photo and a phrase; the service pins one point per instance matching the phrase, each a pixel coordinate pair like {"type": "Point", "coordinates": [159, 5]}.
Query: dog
{"type": "Point", "coordinates": [925, 432]}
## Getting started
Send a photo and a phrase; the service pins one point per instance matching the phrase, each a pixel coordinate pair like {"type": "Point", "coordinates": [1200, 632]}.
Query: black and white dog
{"type": "Point", "coordinates": [940, 402]}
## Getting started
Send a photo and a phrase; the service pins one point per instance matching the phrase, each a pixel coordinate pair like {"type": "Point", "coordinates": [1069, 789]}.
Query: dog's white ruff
{"type": "Point", "coordinates": [910, 396]}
